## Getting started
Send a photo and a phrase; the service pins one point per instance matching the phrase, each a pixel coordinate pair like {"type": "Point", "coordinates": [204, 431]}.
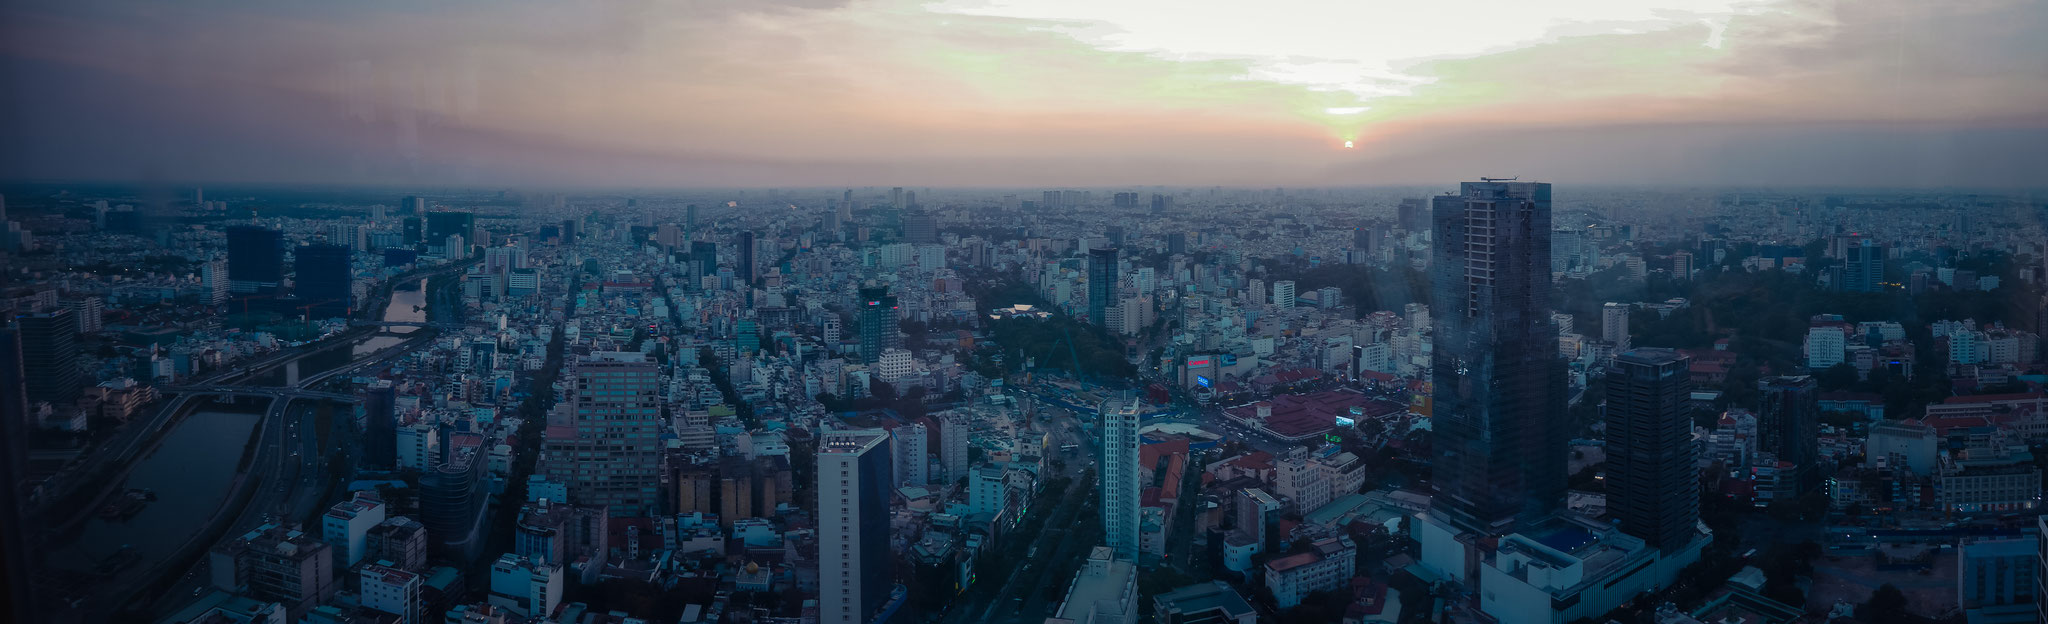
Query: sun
{"type": "Point", "coordinates": [1347, 145]}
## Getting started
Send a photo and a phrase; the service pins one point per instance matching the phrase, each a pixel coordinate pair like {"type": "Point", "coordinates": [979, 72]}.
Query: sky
{"type": "Point", "coordinates": [683, 93]}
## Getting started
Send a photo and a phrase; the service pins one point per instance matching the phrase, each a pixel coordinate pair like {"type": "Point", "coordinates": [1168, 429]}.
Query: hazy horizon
{"type": "Point", "coordinates": [1004, 93]}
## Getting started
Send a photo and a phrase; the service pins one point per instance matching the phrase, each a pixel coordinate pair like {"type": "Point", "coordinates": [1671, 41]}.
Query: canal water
{"type": "Point", "coordinates": [407, 305]}
{"type": "Point", "coordinates": [190, 473]}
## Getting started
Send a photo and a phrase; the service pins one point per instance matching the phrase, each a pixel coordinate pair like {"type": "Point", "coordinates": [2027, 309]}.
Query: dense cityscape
{"type": "Point", "coordinates": [1478, 402]}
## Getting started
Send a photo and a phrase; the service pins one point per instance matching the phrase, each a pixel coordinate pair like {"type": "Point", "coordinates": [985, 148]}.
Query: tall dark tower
{"type": "Point", "coordinates": [49, 357]}
{"type": "Point", "coordinates": [1652, 486]}
{"type": "Point", "coordinates": [255, 259]}
{"type": "Point", "coordinates": [15, 529]}
{"type": "Point", "coordinates": [877, 324]}
{"type": "Point", "coordinates": [322, 278]}
{"type": "Point", "coordinates": [1101, 283]}
{"type": "Point", "coordinates": [1501, 441]}
{"type": "Point", "coordinates": [380, 430]}
{"type": "Point", "coordinates": [746, 250]}
{"type": "Point", "coordinates": [1788, 425]}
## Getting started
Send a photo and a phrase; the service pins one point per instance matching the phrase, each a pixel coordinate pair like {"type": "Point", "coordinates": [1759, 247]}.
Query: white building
{"type": "Point", "coordinates": [913, 461]}
{"type": "Point", "coordinates": [347, 523]}
{"type": "Point", "coordinates": [416, 446]}
{"type": "Point", "coordinates": [953, 432]}
{"type": "Point", "coordinates": [1825, 347]}
{"type": "Point", "coordinates": [1104, 592]}
{"type": "Point", "coordinates": [853, 525]}
{"type": "Point", "coordinates": [1301, 480]}
{"type": "Point", "coordinates": [895, 367]}
{"type": "Point", "coordinates": [1119, 480]}
{"type": "Point", "coordinates": [1614, 325]}
{"type": "Point", "coordinates": [1283, 294]}
{"type": "Point", "coordinates": [1568, 568]}
{"type": "Point", "coordinates": [392, 591]}
{"type": "Point", "coordinates": [1329, 564]}
{"type": "Point", "coordinates": [986, 492]}
{"type": "Point", "coordinates": [524, 586]}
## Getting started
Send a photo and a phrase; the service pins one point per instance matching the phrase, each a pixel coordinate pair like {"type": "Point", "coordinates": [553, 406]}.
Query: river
{"type": "Point", "coordinates": [190, 473]}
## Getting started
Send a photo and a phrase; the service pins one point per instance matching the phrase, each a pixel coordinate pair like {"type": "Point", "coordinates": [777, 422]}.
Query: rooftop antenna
{"type": "Point", "coordinates": [1486, 179]}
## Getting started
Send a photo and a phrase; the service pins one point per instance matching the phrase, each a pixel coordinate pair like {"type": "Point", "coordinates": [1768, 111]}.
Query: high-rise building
{"type": "Point", "coordinates": [400, 540]}
{"type": "Point", "coordinates": [1102, 277]}
{"type": "Point", "coordinates": [89, 313]}
{"type": "Point", "coordinates": [703, 260]}
{"type": "Point", "coordinates": [442, 224]}
{"type": "Point", "coordinates": [1863, 266]}
{"type": "Point", "coordinates": [380, 426]}
{"type": "Point", "coordinates": [15, 571]}
{"type": "Point", "coordinates": [453, 494]}
{"type": "Point", "coordinates": [1161, 204]}
{"type": "Point", "coordinates": [49, 356]}
{"type": "Point", "coordinates": [1788, 426]}
{"type": "Point", "coordinates": [920, 227]}
{"type": "Point", "coordinates": [1412, 215]}
{"type": "Point", "coordinates": [213, 282]}
{"type": "Point", "coordinates": [1681, 265]}
{"type": "Point", "coordinates": [413, 205]}
{"type": "Point", "coordinates": [1283, 294]}
{"type": "Point", "coordinates": [255, 258]}
{"type": "Point", "coordinates": [878, 331]}
{"type": "Point", "coordinates": [412, 232]}
{"type": "Point", "coordinates": [913, 455]}
{"type": "Point", "coordinates": [1501, 443]}
{"type": "Point", "coordinates": [1176, 242]}
{"type": "Point", "coordinates": [323, 280]}
{"type": "Point", "coordinates": [392, 590]}
{"type": "Point", "coordinates": [610, 455]}
{"type": "Point", "coordinates": [896, 198]}
{"type": "Point", "coordinates": [895, 368]}
{"type": "Point", "coordinates": [1119, 485]}
{"type": "Point", "coordinates": [1652, 483]}
{"type": "Point", "coordinates": [1614, 325]}
{"type": "Point", "coordinates": [854, 561]}
{"type": "Point", "coordinates": [953, 435]}
{"type": "Point", "coordinates": [747, 270]}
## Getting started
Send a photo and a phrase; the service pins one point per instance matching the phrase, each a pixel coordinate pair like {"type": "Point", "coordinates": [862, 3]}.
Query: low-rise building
{"type": "Point", "coordinates": [1329, 564]}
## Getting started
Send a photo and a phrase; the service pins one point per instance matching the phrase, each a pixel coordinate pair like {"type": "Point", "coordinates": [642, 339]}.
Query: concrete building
{"type": "Point", "coordinates": [854, 561]}
{"type": "Point", "coordinates": [1328, 565]}
{"type": "Point", "coordinates": [986, 491]}
{"type": "Point", "coordinates": [1614, 325]}
{"type": "Point", "coordinates": [346, 527]}
{"type": "Point", "coordinates": [609, 454]}
{"type": "Point", "coordinates": [1903, 445]}
{"type": "Point", "coordinates": [1788, 427]}
{"type": "Point", "coordinates": [1102, 278]}
{"type": "Point", "coordinates": [1826, 346]}
{"type": "Point", "coordinates": [1119, 477]}
{"type": "Point", "coordinates": [401, 542]}
{"type": "Point", "coordinates": [453, 496]}
{"type": "Point", "coordinates": [953, 435]}
{"type": "Point", "coordinates": [913, 457]}
{"type": "Point", "coordinates": [417, 446]}
{"type": "Point", "coordinates": [1998, 580]}
{"type": "Point", "coordinates": [1283, 294]}
{"type": "Point", "coordinates": [1213, 602]}
{"type": "Point", "coordinates": [895, 368]}
{"type": "Point", "coordinates": [278, 564]}
{"type": "Point", "coordinates": [391, 590]}
{"type": "Point", "coordinates": [1104, 592]}
{"type": "Point", "coordinates": [1301, 480]}
{"type": "Point", "coordinates": [526, 587]}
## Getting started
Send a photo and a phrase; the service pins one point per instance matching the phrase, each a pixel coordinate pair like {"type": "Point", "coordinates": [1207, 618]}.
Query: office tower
{"type": "Point", "coordinates": [213, 282]}
{"type": "Point", "coordinates": [255, 258]}
{"type": "Point", "coordinates": [1161, 204]}
{"type": "Point", "coordinates": [1564, 250]}
{"type": "Point", "coordinates": [442, 224]}
{"type": "Point", "coordinates": [15, 575]}
{"type": "Point", "coordinates": [878, 330]}
{"type": "Point", "coordinates": [896, 198]}
{"type": "Point", "coordinates": [322, 278]}
{"type": "Point", "coordinates": [1412, 215]}
{"type": "Point", "coordinates": [1176, 242]}
{"type": "Point", "coordinates": [49, 357]}
{"type": "Point", "coordinates": [614, 459]}
{"type": "Point", "coordinates": [569, 231]}
{"type": "Point", "coordinates": [276, 564]}
{"type": "Point", "coordinates": [453, 494]}
{"type": "Point", "coordinates": [1501, 443]}
{"type": "Point", "coordinates": [413, 205]}
{"type": "Point", "coordinates": [1283, 294]}
{"type": "Point", "coordinates": [1614, 325]}
{"type": "Point", "coordinates": [1681, 265]}
{"type": "Point", "coordinates": [690, 221]}
{"type": "Point", "coordinates": [703, 260]}
{"type": "Point", "coordinates": [747, 270]}
{"type": "Point", "coordinates": [414, 234]}
{"type": "Point", "coordinates": [854, 561]}
{"type": "Point", "coordinates": [1863, 266]}
{"type": "Point", "coordinates": [346, 527]}
{"type": "Point", "coordinates": [1652, 483]}
{"type": "Point", "coordinates": [920, 227]}
{"type": "Point", "coordinates": [1119, 484]}
{"type": "Point", "coordinates": [1101, 283]}
{"type": "Point", "coordinates": [1788, 426]}
{"type": "Point", "coordinates": [380, 426]}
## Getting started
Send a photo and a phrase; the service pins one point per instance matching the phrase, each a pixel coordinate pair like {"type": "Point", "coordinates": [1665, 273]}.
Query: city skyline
{"type": "Point", "coordinates": [986, 93]}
